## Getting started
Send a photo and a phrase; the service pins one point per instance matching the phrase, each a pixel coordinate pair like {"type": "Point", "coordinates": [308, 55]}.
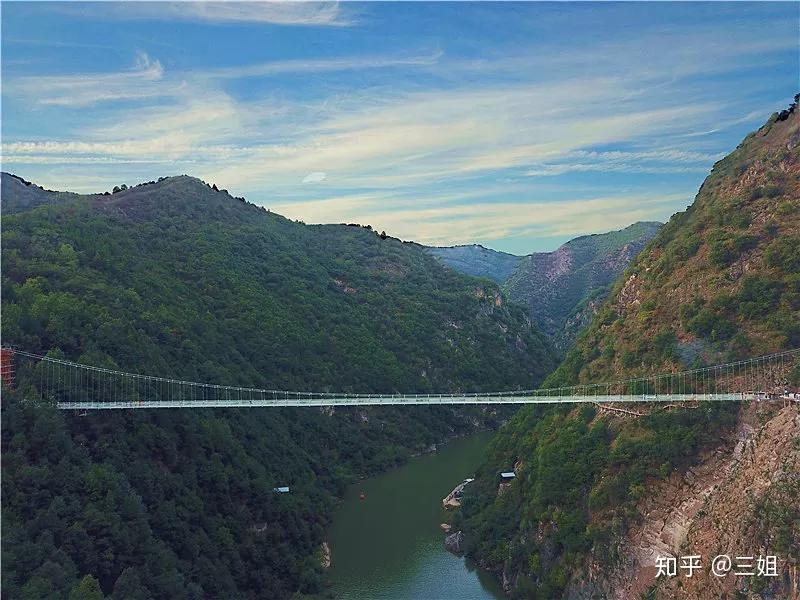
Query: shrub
{"type": "Point", "coordinates": [689, 310]}
{"type": "Point", "coordinates": [628, 359]}
{"type": "Point", "coordinates": [792, 334]}
{"type": "Point", "coordinates": [794, 376]}
{"type": "Point", "coordinates": [721, 251]}
{"type": "Point", "coordinates": [725, 248]}
{"type": "Point", "coordinates": [740, 221]}
{"type": "Point", "coordinates": [784, 254]}
{"type": "Point", "coordinates": [771, 229]}
{"type": "Point", "coordinates": [759, 295]}
{"type": "Point", "coordinates": [710, 324]}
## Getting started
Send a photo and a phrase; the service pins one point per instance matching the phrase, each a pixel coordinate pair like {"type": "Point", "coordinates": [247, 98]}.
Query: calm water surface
{"type": "Point", "coordinates": [389, 546]}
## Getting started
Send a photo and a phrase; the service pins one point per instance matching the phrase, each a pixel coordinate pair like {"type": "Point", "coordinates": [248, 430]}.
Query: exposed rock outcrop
{"type": "Point", "coordinates": [712, 509]}
{"type": "Point", "coordinates": [453, 542]}
{"type": "Point", "coordinates": [325, 559]}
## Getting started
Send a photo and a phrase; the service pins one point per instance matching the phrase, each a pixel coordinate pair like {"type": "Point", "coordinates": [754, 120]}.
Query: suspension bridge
{"type": "Point", "coordinates": [76, 386]}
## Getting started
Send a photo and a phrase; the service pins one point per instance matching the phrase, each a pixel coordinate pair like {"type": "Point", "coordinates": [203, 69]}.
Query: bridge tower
{"type": "Point", "coordinates": [7, 366]}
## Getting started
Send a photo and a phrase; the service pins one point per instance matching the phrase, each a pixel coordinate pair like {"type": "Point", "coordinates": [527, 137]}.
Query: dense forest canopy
{"type": "Point", "coordinates": [175, 278]}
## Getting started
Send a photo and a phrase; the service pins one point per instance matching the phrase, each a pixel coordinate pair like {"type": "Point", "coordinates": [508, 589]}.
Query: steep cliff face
{"type": "Point", "coordinates": [597, 495]}
{"type": "Point", "coordinates": [561, 289]}
{"type": "Point", "coordinates": [748, 506]}
{"type": "Point", "coordinates": [738, 499]}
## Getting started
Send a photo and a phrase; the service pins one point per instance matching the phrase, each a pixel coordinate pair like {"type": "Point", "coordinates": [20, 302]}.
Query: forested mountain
{"type": "Point", "coordinates": [597, 496]}
{"type": "Point", "coordinates": [176, 278]}
{"type": "Point", "coordinates": [561, 289]}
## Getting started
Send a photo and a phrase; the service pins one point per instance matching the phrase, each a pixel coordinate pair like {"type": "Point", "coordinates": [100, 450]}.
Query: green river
{"type": "Point", "coordinates": [389, 545]}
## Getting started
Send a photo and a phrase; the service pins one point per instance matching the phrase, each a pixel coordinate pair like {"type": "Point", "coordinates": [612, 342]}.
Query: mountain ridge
{"type": "Point", "coordinates": [561, 289]}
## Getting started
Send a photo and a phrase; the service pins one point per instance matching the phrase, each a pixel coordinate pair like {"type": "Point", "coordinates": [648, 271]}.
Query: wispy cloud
{"type": "Point", "coordinates": [422, 138]}
{"type": "Point", "coordinates": [651, 161]}
{"type": "Point", "coordinates": [427, 143]}
{"type": "Point", "coordinates": [278, 13]}
{"type": "Point", "coordinates": [397, 141]}
{"type": "Point", "coordinates": [84, 89]}
{"type": "Point", "coordinates": [289, 13]}
{"type": "Point", "coordinates": [146, 78]}
{"type": "Point", "coordinates": [321, 65]}
{"type": "Point", "coordinates": [751, 117]}
{"type": "Point", "coordinates": [449, 221]}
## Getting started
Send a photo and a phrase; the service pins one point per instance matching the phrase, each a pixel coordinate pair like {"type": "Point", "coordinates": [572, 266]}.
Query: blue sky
{"type": "Point", "coordinates": [517, 126]}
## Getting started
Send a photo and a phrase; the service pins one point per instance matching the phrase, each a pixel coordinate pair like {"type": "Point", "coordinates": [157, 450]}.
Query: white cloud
{"type": "Point", "coordinates": [315, 177]}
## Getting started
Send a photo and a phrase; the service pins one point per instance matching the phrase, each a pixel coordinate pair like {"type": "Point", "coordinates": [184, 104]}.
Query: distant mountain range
{"type": "Point", "coordinates": [478, 261]}
{"type": "Point", "coordinates": [562, 289]}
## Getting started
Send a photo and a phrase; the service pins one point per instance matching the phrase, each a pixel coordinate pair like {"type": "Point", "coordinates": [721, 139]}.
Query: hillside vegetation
{"type": "Point", "coordinates": [719, 281]}
{"type": "Point", "coordinates": [175, 278]}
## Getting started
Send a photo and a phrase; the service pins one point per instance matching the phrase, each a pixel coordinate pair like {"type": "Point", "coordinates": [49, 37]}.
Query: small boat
{"type": "Point", "coordinates": [362, 496]}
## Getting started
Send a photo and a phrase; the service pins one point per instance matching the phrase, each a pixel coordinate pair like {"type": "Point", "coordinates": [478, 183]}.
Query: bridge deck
{"type": "Point", "coordinates": [77, 386]}
{"type": "Point", "coordinates": [378, 400]}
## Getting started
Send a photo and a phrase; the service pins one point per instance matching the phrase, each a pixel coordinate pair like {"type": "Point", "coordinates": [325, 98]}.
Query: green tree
{"type": "Point", "coordinates": [87, 588]}
{"type": "Point", "coordinates": [129, 586]}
